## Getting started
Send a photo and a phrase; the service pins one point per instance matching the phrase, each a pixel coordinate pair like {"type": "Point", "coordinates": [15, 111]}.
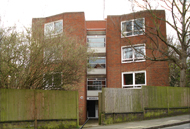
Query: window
{"type": "Point", "coordinates": [52, 54]}
{"type": "Point", "coordinates": [133, 79]}
{"type": "Point", "coordinates": [133, 53]}
{"type": "Point", "coordinates": [132, 27]}
{"type": "Point", "coordinates": [98, 63]}
{"type": "Point", "coordinates": [54, 28]}
{"type": "Point", "coordinates": [96, 83]}
{"type": "Point", "coordinates": [96, 41]}
{"type": "Point", "coordinates": [52, 80]}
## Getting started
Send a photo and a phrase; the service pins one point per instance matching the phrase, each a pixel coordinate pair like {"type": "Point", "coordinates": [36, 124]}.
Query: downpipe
{"type": "Point", "coordinates": [84, 123]}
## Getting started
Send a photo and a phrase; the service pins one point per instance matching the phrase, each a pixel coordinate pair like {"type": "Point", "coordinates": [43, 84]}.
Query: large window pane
{"type": "Point", "coordinates": [97, 63]}
{"type": "Point", "coordinates": [139, 51]}
{"type": "Point", "coordinates": [127, 53]}
{"type": "Point", "coordinates": [139, 78]}
{"type": "Point", "coordinates": [57, 79]}
{"type": "Point", "coordinates": [124, 27]}
{"type": "Point", "coordinates": [48, 79]}
{"type": "Point", "coordinates": [96, 44]}
{"type": "Point", "coordinates": [99, 60]}
{"type": "Point", "coordinates": [94, 40]}
{"type": "Point", "coordinates": [128, 79]}
{"type": "Point", "coordinates": [48, 28]}
{"type": "Point", "coordinates": [58, 27]}
{"type": "Point", "coordinates": [129, 26]}
{"type": "Point", "coordinates": [138, 24]}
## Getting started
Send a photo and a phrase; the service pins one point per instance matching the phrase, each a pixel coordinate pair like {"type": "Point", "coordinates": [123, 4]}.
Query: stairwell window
{"type": "Point", "coordinates": [132, 27]}
{"type": "Point", "coordinates": [97, 63]}
{"type": "Point", "coordinates": [53, 28]}
{"type": "Point", "coordinates": [133, 53]}
{"type": "Point", "coordinates": [96, 83]}
{"type": "Point", "coordinates": [133, 79]}
{"type": "Point", "coordinates": [96, 41]}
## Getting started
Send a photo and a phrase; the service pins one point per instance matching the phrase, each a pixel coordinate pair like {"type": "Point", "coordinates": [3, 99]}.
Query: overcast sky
{"type": "Point", "coordinates": [21, 12]}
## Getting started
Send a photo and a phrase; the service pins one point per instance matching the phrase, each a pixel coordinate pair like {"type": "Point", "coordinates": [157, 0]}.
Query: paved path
{"type": "Point", "coordinates": [144, 124]}
{"type": "Point", "coordinates": [183, 126]}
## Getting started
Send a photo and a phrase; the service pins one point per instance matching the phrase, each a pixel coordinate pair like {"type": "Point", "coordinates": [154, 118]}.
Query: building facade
{"type": "Point", "coordinates": [121, 45]}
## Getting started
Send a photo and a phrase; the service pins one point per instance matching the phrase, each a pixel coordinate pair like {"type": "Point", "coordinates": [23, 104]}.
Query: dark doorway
{"type": "Point", "coordinates": [92, 108]}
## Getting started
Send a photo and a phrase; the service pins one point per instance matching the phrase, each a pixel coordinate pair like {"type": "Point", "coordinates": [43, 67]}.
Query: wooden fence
{"type": "Point", "coordinates": [116, 105]}
{"type": "Point", "coordinates": [38, 106]}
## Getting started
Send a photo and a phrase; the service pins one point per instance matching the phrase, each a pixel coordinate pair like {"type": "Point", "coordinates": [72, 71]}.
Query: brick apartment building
{"type": "Point", "coordinates": [116, 42]}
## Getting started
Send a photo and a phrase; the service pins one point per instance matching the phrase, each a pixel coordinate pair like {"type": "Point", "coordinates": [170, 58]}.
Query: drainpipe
{"type": "Point", "coordinates": [84, 123]}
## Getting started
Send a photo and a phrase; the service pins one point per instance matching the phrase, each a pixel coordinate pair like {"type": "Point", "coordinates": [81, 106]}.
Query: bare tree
{"type": "Point", "coordinates": [177, 50]}
{"type": "Point", "coordinates": [32, 61]}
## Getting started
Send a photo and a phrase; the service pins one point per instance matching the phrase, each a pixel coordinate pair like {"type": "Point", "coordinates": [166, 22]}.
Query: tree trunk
{"type": "Point", "coordinates": [183, 77]}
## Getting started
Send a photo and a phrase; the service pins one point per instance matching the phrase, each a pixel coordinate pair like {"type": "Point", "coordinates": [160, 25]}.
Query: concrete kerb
{"type": "Point", "coordinates": [168, 125]}
{"type": "Point", "coordinates": [146, 124]}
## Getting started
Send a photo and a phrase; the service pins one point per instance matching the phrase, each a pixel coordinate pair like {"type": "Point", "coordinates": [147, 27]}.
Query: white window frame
{"type": "Point", "coordinates": [96, 37]}
{"type": "Point", "coordinates": [53, 29]}
{"type": "Point", "coordinates": [133, 59]}
{"type": "Point", "coordinates": [133, 86]}
{"type": "Point", "coordinates": [133, 23]}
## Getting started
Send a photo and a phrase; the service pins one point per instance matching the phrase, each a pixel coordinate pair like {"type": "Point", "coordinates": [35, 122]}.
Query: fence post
{"type": "Point", "coordinates": [77, 106]}
{"type": "Point", "coordinates": [35, 111]}
{"type": "Point", "coordinates": [168, 100]}
{"type": "Point", "coordinates": [143, 100]}
{"type": "Point", "coordinates": [99, 107]}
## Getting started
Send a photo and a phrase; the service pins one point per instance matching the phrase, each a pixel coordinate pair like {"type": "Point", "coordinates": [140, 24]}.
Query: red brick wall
{"type": "Point", "coordinates": [74, 25]}
{"type": "Point", "coordinates": [95, 24]}
{"type": "Point", "coordinates": [157, 73]}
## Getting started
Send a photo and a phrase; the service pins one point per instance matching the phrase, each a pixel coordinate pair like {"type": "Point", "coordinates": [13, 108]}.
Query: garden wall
{"type": "Point", "coordinates": [27, 108]}
{"type": "Point", "coordinates": [117, 105]}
